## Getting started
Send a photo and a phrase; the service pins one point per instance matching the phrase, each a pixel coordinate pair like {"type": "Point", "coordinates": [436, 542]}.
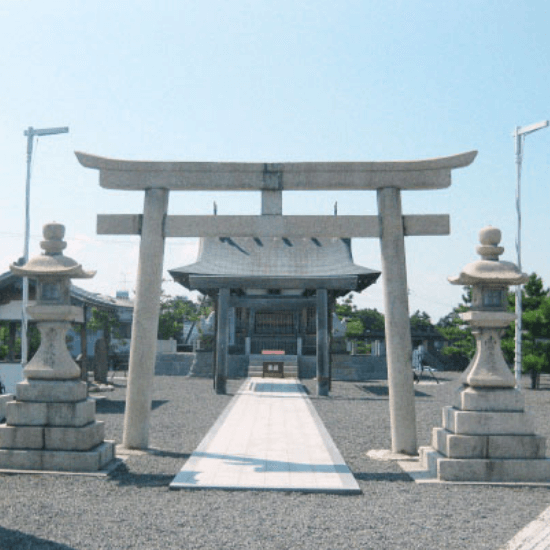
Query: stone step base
{"type": "Point", "coordinates": [27, 413]}
{"type": "Point", "coordinates": [52, 438]}
{"type": "Point", "coordinates": [488, 422]}
{"type": "Point", "coordinates": [484, 470]}
{"type": "Point", "coordinates": [489, 400]}
{"type": "Point", "coordinates": [52, 391]}
{"type": "Point", "coordinates": [290, 371]}
{"type": "Point", "coordinates": [58, 461]}
{"type": "Point", "coordinates": [256, 367]}
{"type": "Point", "coordinates": [4, 400]}
{"type": "Point", "coordinates": [488, 446]}
{"type": "Point", "coordinates": [259, 359]}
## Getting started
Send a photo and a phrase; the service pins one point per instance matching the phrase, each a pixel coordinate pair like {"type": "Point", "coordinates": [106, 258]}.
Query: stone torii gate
{"type": "Point", "coordinates": [157, 179]}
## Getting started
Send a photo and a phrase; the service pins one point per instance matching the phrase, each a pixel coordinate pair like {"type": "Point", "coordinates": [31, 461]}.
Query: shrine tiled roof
{"type": "Point", "coordinates": [273, 259]}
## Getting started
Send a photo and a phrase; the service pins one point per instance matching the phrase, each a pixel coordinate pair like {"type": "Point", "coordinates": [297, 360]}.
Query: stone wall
{"type": "Point", "coordinates": [344, 367]}
{"type": "Point", "coordinates": [359, 367]}
{"type": "Point", "coordinates": [173, 364]}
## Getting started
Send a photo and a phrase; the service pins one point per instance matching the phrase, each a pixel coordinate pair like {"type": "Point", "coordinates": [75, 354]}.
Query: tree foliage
{"type": "Point", "coordinates": [174, 310]}
{"type": "Point", "coordinates": [535, 333]}
{"type": "Point", "coordinates": [420, 320]}
{"type": "Point", "coordinates": [359, 322]}
{"type": "Point", "coordinates": [107, 321]}
{"type": "Point", "coordinates": [535, 325]}
{"type": "Point", "coordinates": [461, 342]}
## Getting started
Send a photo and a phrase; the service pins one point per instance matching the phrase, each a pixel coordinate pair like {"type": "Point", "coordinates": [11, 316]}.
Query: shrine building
{"type": "Point", "coordinates": [272, 287]}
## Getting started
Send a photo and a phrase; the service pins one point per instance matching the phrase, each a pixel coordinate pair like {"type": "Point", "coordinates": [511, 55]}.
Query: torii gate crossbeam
{"type": "Point", "coordinates": [390, 226]}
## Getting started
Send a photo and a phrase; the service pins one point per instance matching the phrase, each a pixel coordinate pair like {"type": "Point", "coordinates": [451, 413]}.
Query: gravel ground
{"type": "Point", "coordinates": [133, 508]}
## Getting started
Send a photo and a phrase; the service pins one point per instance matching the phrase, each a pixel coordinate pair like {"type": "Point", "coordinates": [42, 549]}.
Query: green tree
{"type": "Point", "coordinates": [107, 321]}
{"type": "Point", "coordinates": [4, 339]}
{"type": "Point", "coordinates": [345, 308]}
{"type": "Point", "coordinates": [354, 329]}
{"type": "Point", "coordinates": [372, 319]}
{"type": "Point", "coordinates": [359, 322]}
{"type": "Point", "coordinates": [535, 325]}
{"type": "Point", "coordinates": [420, 320]}
{"type": "Point", "coordinates": [461, 342]}
{"type": "Point", "coordinates": [173, 312]}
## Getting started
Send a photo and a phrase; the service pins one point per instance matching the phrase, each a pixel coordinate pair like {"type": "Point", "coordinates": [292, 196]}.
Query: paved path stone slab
{"type": "Point", "coordinates": [268, 438]}
{"type": "Point", "coordinates": [535, 536]}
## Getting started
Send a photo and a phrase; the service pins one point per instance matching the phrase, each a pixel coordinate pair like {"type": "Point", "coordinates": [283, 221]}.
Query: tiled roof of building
{"type": "Point", "coordinates": [272, 257]}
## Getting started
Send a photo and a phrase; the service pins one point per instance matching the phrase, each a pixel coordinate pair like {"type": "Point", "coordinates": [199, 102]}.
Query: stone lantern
{"type": "Point", "coordinates": [51, 423]}
{"type": "Point", "coordinates": [489, 279]}
{"type": "Point", "coordinates": [487, 436]}
{"type": "Point", "coordinates": [53, 273]}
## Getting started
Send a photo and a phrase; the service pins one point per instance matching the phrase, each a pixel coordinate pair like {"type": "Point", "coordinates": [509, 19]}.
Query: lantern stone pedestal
{"type": "Point", "coordinates": [487, 436]}
{"type": "Point", "coordinates": [50, 425]}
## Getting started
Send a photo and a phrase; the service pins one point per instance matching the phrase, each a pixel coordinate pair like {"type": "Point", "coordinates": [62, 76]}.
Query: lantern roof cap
{"type": "Point", "coordinates": [490, 270]}
{"type": "Point", "coordinates": [52, 262]}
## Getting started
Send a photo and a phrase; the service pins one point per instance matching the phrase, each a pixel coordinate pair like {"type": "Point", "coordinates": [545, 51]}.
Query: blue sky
{"type": "Point", "coordinates": [277, 81]}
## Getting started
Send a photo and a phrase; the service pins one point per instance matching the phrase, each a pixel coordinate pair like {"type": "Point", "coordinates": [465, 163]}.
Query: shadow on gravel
{"type": "Point", "coordinates": [124, 477]}
{"type": "Point", "coordinates": [16, 540]}
{"type": "Point", "coordinates": [382, 391]}
{"type": "Point", "coordinates": [117, 406]}
{"type": "Point", "coordinates": [382, 476]}
{"type": "Point", "coordinates": [171, 454]}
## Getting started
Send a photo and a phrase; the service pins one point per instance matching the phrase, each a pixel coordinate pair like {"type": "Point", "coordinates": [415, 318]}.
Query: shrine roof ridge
{"type": "Point", "coordinates": [249, 176]}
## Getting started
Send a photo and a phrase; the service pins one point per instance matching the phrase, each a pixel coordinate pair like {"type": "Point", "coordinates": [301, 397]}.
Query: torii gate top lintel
{"type": "Point", "coordinates": [290, 176]}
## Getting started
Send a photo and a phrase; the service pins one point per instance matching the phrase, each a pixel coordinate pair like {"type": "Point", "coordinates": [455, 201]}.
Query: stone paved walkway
{"type": "Point", "coordinates": [268, 438]}
{"type": "Point", "coordinates": [535, 536]}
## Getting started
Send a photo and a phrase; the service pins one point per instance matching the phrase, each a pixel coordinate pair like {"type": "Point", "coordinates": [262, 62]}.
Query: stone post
{"type": "Point", "coordinates": [398, 329]}
{"type": "Point", "coordinates": [221, 340]}
{"type": "Point", "coordinates": [322, 343]}
{"type": "Point", "coordinates": [143, 345]}
{"type": "Point", "coordinates": [84, 346]}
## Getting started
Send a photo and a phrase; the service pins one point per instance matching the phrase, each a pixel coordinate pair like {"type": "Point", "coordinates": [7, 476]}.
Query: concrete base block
{"type": "Point", "coordinates": [74, 439]}
{"type": "Point", "coordinates": [516, 446]}
{"type": "Point", "coordinates": [48, 391]}
{"type": "Point", "coordinates": [485, 423]}
{"type": "Point", "coordinates": [4, 400]}
{"type": "Point", "coordinates": [71, 414]}
{"type": "Point", "coordinates": [21, 437]}
{"type": "Point", "coordinates": [490, 399]}
{"type": "Point", "coordinates": [26, 414]}
{"type": "Point", "coordinates": [459, 446]}
{"type": "Point", "coordinates": [488, 446]}
{"type": "Point", "coordinates": [19, 413]}
{"type": "Point", "coordinates": [58, 461]}
{"type": "Point", "coordinates": [428, 458]}
{"type": "Point", "coordinates": [500, 470]}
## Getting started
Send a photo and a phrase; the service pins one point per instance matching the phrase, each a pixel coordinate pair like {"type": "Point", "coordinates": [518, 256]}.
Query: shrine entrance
{"type": "Point", "coordinates": [390, 226]}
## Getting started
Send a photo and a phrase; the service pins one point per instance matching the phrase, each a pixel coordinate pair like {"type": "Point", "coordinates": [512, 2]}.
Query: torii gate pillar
{"type": "Point", "coordinates": [143, 346]}
{"type": "Point", "coordinates": [397, 326]}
